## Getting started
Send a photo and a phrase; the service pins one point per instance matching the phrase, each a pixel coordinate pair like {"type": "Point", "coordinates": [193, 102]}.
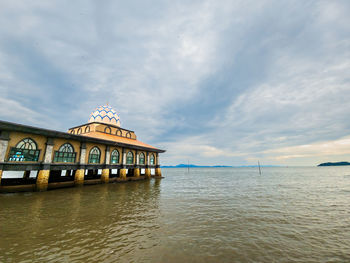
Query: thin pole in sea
{"type": "Point", "coordinates": [259, 168]}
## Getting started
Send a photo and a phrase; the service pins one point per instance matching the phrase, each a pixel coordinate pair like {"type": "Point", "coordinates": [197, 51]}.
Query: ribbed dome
{"type": "Point", "coordinates": [105, 114]}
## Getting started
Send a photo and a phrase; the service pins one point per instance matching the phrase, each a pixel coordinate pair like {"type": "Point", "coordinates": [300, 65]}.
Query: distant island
{"type": "Point", "coordinates": [211, 166]}
{"type": "Point", "coordinates": [334, 164]}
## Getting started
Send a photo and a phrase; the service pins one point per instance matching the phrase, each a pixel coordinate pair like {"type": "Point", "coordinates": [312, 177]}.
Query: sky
{"type": "Point", "coordinates": [212, 82]}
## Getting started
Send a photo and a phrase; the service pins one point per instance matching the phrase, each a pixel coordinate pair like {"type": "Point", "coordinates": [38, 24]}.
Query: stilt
{"type": "Point", "coordinates": [158, 172]}
{"type": "Point", "coordinates": [79, 177]}
{"type": "Point", "coordinates": [137, 172]}
{"type": "Point", "coordinates": [147, 173]}
{"type": "Point", "coordinates": [105, 176]}
{"type": "Point", "coordinates": [122, 174]}
{"type": "Point", "coordinates": [42, 180]}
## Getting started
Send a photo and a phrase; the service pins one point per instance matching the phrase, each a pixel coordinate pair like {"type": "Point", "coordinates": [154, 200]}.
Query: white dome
{"type": "Point", "coordinates": [105, 114]}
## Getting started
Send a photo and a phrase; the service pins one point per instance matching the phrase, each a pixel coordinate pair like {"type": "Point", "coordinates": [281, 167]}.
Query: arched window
{"type": "Point", "coordinates": [26, 144]}
{"type": "Point", "coordinates": [142, 158]}
{"type": "Point", "coordinates": [65, 154]}
{"type": "Point", "coordinates": [151, 159]}
{"type": "Point", "coordinates": [128, 135]}
{"type": "Point", "coordinates": [108, 130]}
{"type": "Point", "coordinates": [79, 131]}
{"type": "Point", "coordinates": [130, 158]}
{"type": "Point", "coordinates": [87, 129]}
{"type": "Point", "coordinates": [25, 150]}
{"type": "Point", "coordinates": [94, 156]}
{"type": "Point", "coordinates": [118, 132]}
{"type": "Point", "coordinates": [115, 157]}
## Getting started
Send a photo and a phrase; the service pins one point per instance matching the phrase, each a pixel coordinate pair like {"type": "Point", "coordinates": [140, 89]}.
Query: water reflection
{"type": "Point", "coordinates": [92, 223]}
{"type": "Point", "coordinates": [207, 215]}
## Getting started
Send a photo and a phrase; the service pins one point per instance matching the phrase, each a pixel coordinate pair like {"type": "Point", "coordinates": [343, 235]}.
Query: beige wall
{"type": "Point", "coordinates": [102, 148]}
{"type": "Point", "coordinates": [58, 142]}
{"type": "Point", "coordinates": [101, 128]}
{"type": "Point", "coordinates": [16, 137]}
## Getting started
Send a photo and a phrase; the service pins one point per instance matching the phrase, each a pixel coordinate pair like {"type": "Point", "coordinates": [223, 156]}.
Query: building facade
{"type": "Point", "coordinates": [99, 151]}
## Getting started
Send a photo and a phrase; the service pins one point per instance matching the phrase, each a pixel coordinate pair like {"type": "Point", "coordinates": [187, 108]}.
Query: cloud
{"type": "Point", "coordinates": [217, 82]}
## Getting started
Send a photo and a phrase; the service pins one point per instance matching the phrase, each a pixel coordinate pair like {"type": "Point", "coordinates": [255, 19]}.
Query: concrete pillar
{"type": "Point", "coordinates": [122, 174]}
{"type": "Point", "coordinates": [137, 158]}
{"type": "Point", "coordinates": [4, 142]}
{"type": "Point", "coordinates": [3, 149]}
{"type": "Point", "coordinates": [148, 173]}
{"type": "Point", "coordinates": [48, 150]}
{"type": "Point", "coordinates": [124, 157]}
{"type": "Point", "coordinates": [157, 159]}
{"type": "Point", "coordinates": [147, 163]}
{"type": "Point", "coordinates": [158, 172]}
{"type": "Point", "coordinates": [42, 180]}
{"type": "Point", "coordinates": [137, 172]}
{"type": "Point", "coordinates": [107, 155]}
{"type": "Point", "coordinates": [80, 173]}
{"type": "Point", "coordinates": [82, 153]}
{"type": "Point", "coordinates": [79, 177]}
{"type": "Point", "coordinates": [105, 176]}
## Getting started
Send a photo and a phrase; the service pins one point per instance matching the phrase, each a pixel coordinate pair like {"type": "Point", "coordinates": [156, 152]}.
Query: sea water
{"type": "Point", "coordinates": [294, 214]}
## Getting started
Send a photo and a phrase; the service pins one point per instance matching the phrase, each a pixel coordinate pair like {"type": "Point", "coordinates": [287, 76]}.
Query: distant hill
{"type": "Point", "coordinates": [334, 164]}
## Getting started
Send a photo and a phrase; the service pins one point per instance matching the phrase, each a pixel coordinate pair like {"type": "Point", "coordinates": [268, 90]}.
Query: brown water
{"type": "Point", "coordinates": [207, 215]}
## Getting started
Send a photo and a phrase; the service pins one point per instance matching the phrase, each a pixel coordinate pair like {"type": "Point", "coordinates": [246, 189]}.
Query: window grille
{"type": "Point", "coordinates": [94, 156]}
{"type": "Point", "coordinates": [115, 157]}
{"type": "Point", "coordinates": [130, 158]}
{"type": "Point", "coordinates": [142, 158]}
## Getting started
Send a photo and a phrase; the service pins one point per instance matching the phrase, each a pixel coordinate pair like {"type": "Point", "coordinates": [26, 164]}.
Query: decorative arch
{"type": "Point", "coordinates": [72, 131]}
{"type": "Point", "coordinates": [87, 129]}
{"type": "Point", "coordinates": [115, 157]}
{"type": "Point", "coordinates": [25, 150]}
{"type": "Point", "coordinates": [152, 159]}
{"type": "Point", "coordinates": [142, 158]}
{"type": "Point", "coordinates": [108, 130]}
{"type": "Point", "coordinates": [94, 155]}
{"type": "Point", "coordinates": [79, 131]}
{"type": "Point", "coordinates": [130, 158]}
{"type": "Point", "coordinates": [65, 154]}
{"type": "Point", "coordinates": [128, 135]}
{"type": "Point", "coordinates": [118, 132]}
{"type": "Point", "coordinates": [67, 147]}
{"type": "Point", "coordinates": [27, 143]}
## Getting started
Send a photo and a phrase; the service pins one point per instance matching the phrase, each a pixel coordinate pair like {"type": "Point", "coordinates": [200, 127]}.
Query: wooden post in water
{"type": "Point", "coordinates": [259, 167]}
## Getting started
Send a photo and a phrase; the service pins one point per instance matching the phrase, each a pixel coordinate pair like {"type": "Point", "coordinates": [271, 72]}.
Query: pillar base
{"type": "Point", "coordinates": [137, 172]}
{"type": "Point", "coordinates": [42, 181]}
{"type": "Point", "coordinates": [122, 174]}
{"type": "Point", "coordinates": [148, 173]}
{"type": "Point", "coordinates": [158, 172]}
{"type": "Point", "coordinates": [105, 176]}
{"type": "Point", "coordinates": [79, 177]}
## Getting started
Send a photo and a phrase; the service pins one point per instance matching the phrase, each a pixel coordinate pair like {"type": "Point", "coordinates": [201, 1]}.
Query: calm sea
{"type": "Point", "coordinates": [204, 215]}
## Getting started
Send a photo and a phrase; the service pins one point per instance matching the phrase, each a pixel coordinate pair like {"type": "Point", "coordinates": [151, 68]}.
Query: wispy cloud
{"type": "Point", "coordinates": [224, 82]}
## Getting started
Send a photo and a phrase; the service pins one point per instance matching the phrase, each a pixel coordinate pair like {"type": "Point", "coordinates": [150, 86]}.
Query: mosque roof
{"type": "Point", "coordinates": [105, 114]}
{"type": "Point", "coordinates": [111, 137]}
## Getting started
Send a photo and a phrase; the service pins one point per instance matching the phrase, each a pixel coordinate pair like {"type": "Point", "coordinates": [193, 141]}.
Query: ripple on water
{"type": "Point", "coordinates": [207, 215]}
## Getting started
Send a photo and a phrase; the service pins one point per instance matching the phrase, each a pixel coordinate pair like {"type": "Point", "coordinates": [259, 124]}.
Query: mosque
{"type": "Point", "coordinates": [100, 151]}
